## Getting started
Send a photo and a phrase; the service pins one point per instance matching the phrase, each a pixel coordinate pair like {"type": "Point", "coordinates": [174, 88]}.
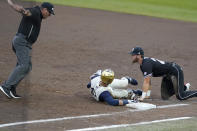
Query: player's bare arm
{"type": "Point", "coordinates": [146, 88]}
{"type": "Point", "coordinates": [19, 8]}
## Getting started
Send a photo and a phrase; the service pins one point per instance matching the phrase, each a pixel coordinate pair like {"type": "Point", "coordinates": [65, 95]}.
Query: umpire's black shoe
{"type": "Point", "coordinates": [13, 93]}
{"type": "Point", "coordinates": [5, 91]}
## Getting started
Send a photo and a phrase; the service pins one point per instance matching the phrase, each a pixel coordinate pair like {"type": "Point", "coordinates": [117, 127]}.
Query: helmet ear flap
{"type": "Point", "coordinates": [107, 76]}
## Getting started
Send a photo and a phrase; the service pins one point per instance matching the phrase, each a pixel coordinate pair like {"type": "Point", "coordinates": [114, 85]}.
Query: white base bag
{"type": "Point", "coordinates": [141, 106]}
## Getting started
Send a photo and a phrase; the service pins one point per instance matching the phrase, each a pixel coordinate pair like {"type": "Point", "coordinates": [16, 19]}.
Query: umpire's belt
{"type": "Point", "coordinates": [24, 37]}
{"type": "Point", "coordinates": [21, 35]}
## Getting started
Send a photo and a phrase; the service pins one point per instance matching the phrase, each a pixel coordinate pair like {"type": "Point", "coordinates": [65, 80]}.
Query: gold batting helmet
{"type": "Point", "coordinates": [107, 76]}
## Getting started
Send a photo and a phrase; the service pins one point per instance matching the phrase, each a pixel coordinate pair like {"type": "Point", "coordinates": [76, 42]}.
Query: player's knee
{"type": "Point", "coordinates": [25, 68]}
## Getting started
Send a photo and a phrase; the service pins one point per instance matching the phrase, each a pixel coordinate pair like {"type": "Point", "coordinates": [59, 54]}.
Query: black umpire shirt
{"type": "Point", "coordinates": [154, 67]}
{"type": "Point", "coordinates": [30, 25]}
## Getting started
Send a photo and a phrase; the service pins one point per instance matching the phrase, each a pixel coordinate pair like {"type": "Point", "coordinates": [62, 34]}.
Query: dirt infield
{"type": "Point", "coordinates": [76, 42]}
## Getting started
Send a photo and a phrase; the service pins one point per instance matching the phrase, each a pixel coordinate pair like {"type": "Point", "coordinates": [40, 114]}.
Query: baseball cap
{"type": "Point", "coordinates": [49, 7]}
{"type": "Point", "coordinates": [137, 51]}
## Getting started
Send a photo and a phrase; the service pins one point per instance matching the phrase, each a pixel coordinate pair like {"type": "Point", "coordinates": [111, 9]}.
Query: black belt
{"type": "Point", "coordinates": [21, 35]}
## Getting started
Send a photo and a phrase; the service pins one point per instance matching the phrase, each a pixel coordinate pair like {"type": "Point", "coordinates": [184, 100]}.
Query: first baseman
{"type": "Point", "coordinates": [26, 36]}
{"type": "Point", "coordinates": [172, 73]}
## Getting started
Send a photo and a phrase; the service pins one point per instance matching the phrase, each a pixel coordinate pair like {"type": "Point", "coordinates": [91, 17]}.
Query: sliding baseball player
{"type": "Point", "coordinates": [105, 88]}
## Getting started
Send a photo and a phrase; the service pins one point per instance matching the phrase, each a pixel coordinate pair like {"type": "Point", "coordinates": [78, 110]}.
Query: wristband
{"type": "Point", "coordinates": [148, 93]}
{"type": "Point", "coordinates": [143, 94]}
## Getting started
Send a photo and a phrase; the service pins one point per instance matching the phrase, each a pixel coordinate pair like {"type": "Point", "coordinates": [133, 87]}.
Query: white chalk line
{"type": "Point", "coordinates": [175, 105]}
{"type": "Point", "coordinates": [128, 125]}
{"type": "Point", "coordinates": [79, 117]}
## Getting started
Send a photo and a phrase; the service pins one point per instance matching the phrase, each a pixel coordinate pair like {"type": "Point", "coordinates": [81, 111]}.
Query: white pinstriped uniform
{"type": "Point", "coordinates": [117, 88]}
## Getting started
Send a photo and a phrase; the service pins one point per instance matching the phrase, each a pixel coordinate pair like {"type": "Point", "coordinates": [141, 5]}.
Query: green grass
{"type": "Point", "coordinates": [185, 10]}
{"type": "Point", "coordinates": [180, 125]}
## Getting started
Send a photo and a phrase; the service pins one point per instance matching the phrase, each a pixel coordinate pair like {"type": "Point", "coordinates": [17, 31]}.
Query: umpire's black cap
{"type": "Point", "coordinates": [137, 51]}
{"type": "Point", "coordinates": [49, 7]}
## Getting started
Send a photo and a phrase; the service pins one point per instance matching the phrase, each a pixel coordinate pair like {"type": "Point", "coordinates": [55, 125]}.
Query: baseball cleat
{"type": "Point", "coordinates": [132, 81]}
{"type": "Point", "coordinates": [5, 91]}
{"type": "Point", "coordinates": [13, 93]}
{"type": "Point", "coordinates": [137, 92]}
{"type": "Point", "coordinates": [187, 86]}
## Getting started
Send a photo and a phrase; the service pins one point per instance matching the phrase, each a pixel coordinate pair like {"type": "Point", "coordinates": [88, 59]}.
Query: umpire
{"type": "Point", "coordinates": [22, 43]}
{"type": "Point", "coordinates": [172, 73]}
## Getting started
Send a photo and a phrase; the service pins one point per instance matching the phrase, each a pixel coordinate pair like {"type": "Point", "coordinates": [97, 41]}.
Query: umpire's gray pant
{"type": "Point", "coordinates": [22, 49]}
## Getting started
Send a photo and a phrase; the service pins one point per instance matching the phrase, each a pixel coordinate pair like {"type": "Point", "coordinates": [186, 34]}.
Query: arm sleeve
{"type": "Point", "coordinates": [106, 96]}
